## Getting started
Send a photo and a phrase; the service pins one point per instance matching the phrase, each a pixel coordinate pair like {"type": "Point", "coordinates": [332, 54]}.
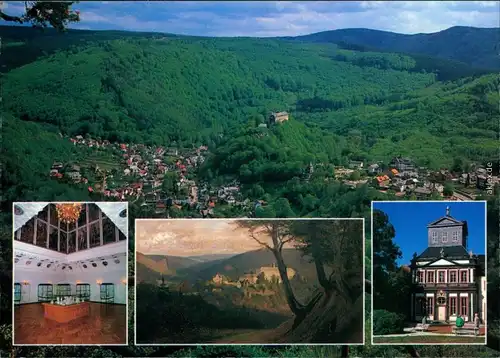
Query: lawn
{"type": "Point", "coordinates": [429, 339]}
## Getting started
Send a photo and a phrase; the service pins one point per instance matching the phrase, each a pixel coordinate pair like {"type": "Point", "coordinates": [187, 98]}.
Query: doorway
{"type": "Point", "coordinates": [441, 313]}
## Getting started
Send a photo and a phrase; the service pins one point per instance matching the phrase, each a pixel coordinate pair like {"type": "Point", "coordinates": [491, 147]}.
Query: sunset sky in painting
{"type": "Point", "coordinates": [193, 237]}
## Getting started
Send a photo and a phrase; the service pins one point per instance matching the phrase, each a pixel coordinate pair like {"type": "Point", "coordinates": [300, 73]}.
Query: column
{"type": "Point", "coordinates": [67, 238]}
{"type": "Point", "coordinates": [100, 228]}
{"type": "Point", "coordinates": [58, 235]}
{"type": "Point", "coordinates": [34, 231]}
{"type": "Point", "coordinates": [448, 306]}
{"type": "Point", "coordinates": [88, 226]}
{"type": "Point", "coordinates": [473, 305]}
{"type": "Point", "coordinates": [76, 236]}
{"type": "Point", "coordinates": [48, 227]}
{"type": "Point", "coordinates": [434, 302]}
{"type": "Point", "coordinates": [469, 308]}
{"type": "Point", "coordinates": [117, 234]}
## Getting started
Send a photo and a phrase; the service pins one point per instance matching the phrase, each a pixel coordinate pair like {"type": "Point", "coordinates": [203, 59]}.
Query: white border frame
{"type": "Point", "coordinates": [485, 270]}
{"type": "Point", "coordinates": [252, 344]}
{"type": "Point", "coordinates": [126, 277]}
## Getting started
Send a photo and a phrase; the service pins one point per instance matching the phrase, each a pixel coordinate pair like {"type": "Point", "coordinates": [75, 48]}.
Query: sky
{"type": "Point", "coordinates": [410, 220]}
{"type": "Point", "coordinates": [279, 18]}
{"type": "Point", "coordinates": [194, 237]}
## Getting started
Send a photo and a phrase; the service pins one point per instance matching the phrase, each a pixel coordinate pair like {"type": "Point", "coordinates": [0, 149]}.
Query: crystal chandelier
{"type": "Point", "coordinates": [68, 213]}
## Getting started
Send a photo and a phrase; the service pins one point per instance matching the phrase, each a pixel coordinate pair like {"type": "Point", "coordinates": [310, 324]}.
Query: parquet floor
{"type": "Point", "coordinates": [106, 324]}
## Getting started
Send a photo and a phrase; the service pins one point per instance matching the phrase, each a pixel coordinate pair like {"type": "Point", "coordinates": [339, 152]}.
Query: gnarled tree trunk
{"type": "Point", "coordinates": [333, 319]}
{"type": "Point", "coordinates": [295, 306]}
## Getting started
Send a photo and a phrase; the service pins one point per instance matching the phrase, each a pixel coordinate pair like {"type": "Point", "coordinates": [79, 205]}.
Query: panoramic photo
{"type": "Point", "coordinates": [269, 109]}
{"type": "Point", "coordinates": [70, 273]}
{"type": "Point", "coordinates": [429, 273]}
{"type": "Point", "coordinates": [250, 281]}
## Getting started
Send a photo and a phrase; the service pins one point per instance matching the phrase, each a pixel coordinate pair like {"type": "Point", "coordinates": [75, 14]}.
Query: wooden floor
{"type": "Point", "coordinates": [106, 324]}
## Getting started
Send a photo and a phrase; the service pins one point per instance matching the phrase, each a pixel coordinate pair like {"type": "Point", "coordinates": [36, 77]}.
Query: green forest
{"type": "Point", "coordinates": [345, 103]}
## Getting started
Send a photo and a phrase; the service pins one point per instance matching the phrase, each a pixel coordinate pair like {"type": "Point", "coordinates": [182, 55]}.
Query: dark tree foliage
{"type": "Point", "coordinates": [42, 14]}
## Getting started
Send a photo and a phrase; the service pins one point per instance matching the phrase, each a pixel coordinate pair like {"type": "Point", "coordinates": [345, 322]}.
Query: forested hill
{"type": "Point", "coordinates": [477, 47]}
{"type": "Point", "coordinates": [165, 89]}
{"type": "Point", "coordinates": [452, 53]}
{"type": "Point", "coordinates": [189, 89]}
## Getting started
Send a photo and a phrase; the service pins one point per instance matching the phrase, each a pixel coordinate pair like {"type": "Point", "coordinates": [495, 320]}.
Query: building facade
{"type": "Point", "coordinates": [448, 280]}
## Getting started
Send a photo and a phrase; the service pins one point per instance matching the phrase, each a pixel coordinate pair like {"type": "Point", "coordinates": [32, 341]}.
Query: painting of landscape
{"type": "Point", "coordinates": [249, 281]}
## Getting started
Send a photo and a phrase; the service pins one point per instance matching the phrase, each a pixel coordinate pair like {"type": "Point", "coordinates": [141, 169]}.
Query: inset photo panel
{"type": "Point", "coordinates": [429, 272]}
{"type": "Point", "coordinates": [70, 273]}
{"type": "Point", "coordinates": [249, 281]}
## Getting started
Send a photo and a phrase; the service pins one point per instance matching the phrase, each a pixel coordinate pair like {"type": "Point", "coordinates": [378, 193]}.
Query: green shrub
{"type": "Point", "coordinates": [385, 322]}
{"type": "Point", "coordinates": [222, 351]}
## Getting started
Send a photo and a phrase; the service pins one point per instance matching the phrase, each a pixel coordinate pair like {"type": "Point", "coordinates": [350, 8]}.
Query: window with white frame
{"type": "Point", "coordinates": [444, 237]}
{"type": "Point", "coordinates": [455, 236]}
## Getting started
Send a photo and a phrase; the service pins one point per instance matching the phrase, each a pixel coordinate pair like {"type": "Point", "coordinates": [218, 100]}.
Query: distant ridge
{"type": "Point", "coordinates": [477, 47]}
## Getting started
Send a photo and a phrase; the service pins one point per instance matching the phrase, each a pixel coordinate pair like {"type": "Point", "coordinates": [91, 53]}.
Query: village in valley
{"type": "Point", "coordinates": [156, 177]}
{"type": "Point", "coordinates": [405, 179]}
{"type": "Point", "coordinates": [160, 178]}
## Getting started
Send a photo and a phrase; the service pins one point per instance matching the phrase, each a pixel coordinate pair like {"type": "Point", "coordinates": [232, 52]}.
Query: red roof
{"type": "Point", "coordinates": [123, 146]}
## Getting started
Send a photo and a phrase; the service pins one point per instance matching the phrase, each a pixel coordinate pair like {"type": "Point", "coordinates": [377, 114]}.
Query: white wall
{"type": "Point", "coordinates": [29, 293]}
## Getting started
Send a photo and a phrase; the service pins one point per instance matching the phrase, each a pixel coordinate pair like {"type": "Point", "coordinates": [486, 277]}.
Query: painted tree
{"type": "Point", "coordinates": [280, 235]}
{"type": "Point", "coordinates": [334, 247]}
{"type": "Point", "coordinates": [43, 14]}
{"type": "Point", "coordinates": [335, 313]}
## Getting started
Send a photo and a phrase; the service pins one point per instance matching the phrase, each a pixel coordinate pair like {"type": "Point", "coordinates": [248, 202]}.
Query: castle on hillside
{"type": "Point", "coordinates": [269, 273]}
{"type": "Point", "coordinates": [278, 117]}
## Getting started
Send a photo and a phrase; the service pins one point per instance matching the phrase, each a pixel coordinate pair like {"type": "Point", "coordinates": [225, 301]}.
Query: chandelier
{"type": "Point", "coordinates": [68, 213]}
